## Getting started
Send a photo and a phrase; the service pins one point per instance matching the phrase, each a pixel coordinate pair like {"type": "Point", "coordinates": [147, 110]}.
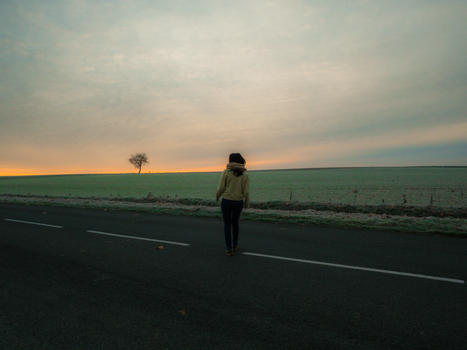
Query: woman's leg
{"type": "Point", "coordinates": [226, 207]}
{"type": "Point", "coordinates": [236, 211]}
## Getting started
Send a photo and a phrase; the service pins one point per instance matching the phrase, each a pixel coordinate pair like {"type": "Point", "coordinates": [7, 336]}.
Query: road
{"type": "Point", "coordinates": [96, 279]}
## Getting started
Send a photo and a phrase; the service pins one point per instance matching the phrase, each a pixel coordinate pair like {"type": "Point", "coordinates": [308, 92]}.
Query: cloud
{"type": "Point", "coordinates": [288, 83]}
{"type": "Point", "coordinates": [404, 138]}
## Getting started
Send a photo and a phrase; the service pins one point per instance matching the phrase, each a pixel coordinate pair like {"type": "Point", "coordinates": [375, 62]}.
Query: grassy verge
{"type": "Point", "coordinates": [362, 217]}
{"type": "Point", "coordinates": [399, 210]}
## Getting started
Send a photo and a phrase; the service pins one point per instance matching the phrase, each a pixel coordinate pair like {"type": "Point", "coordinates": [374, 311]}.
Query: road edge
{"type": "Point", "coordinates": [396, 223]}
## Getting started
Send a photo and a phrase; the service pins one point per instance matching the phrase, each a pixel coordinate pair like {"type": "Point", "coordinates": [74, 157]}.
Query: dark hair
{"type": "Point", "coordinates": [237, 158]}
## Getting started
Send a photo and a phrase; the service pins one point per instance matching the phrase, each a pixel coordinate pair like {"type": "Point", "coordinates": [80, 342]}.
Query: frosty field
{"type": "Point", "coordinates": [417, 186]}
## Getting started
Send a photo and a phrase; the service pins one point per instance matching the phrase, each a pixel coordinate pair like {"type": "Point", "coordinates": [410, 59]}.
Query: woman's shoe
{"type": "Point", "coordinates": [235, 249]}
{"type": "Point", "coordinates": [228, 252]}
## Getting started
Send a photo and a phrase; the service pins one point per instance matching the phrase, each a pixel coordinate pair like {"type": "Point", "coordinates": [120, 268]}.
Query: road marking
{"type": "Point", "coordinates": [33, 223]}
{"type": "Point", "coordinates": [444, 279]}
{"type": "Point", "coordinates": [138, 238]}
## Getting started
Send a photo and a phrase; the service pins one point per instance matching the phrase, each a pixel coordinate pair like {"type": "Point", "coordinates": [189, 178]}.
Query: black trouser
{"type": "Point", "coordinates": [231, 211]}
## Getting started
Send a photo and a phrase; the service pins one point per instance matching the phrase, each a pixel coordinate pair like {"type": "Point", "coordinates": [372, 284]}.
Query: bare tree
{"type": "Point", "coordinates": [138, 160]}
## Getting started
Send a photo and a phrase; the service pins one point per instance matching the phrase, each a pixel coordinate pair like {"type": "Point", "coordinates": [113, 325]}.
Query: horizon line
{"type": "Point", "coordinates": [217, 171]}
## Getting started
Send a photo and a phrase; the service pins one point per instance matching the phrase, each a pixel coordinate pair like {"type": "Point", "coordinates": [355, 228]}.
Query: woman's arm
{"type": "Point", "coordinates": [221, 186]}
{"type": "Point", "coordinates": [246, 190]}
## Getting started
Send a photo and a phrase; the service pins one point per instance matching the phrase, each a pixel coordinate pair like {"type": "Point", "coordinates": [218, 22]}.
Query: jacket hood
{"type": "Point", "coordinates": [233, 166]}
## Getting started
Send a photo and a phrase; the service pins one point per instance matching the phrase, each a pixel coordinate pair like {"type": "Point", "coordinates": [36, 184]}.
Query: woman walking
{"type": "Point", "coordinates": [234, 190]}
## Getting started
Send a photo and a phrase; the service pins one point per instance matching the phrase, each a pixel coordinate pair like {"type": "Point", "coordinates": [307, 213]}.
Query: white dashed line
{"type": "Point", "coordinates": [408, 274]}
{"type": "Point", "coordinates": [138, 238]}
{"type": "Point", "coordinates": [33, 223]}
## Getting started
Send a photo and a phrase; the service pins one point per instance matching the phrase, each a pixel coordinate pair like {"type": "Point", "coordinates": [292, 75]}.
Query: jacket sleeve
{"type": "Point", "coordinates": [246, 191]}
{"type": "Point", "coordinates": [221, 186]}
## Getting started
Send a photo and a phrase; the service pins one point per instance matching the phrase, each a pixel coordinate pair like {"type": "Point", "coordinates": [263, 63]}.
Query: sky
{"type": "Point", "coordinates": [289, 84]}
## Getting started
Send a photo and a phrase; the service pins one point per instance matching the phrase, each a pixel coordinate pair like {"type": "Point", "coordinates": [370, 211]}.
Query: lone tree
{"type": "Point", "coordinates": [138, 160]}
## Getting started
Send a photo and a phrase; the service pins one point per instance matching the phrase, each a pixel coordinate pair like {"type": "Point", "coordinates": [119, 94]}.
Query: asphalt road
{"type": "Point", "coordinates": [76, 285]}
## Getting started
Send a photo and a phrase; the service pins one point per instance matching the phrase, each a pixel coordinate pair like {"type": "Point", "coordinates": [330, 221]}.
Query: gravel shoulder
{"type": "Point", "coordinates": [400, 223]}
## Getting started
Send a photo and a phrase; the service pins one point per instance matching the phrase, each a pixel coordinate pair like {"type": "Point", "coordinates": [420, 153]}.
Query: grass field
{"type": "Point", "coordinates": [412, 186]}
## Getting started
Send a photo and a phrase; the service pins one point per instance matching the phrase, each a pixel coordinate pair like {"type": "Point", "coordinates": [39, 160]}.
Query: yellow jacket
{"type": "Point", "coordinates": [235, 188]}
